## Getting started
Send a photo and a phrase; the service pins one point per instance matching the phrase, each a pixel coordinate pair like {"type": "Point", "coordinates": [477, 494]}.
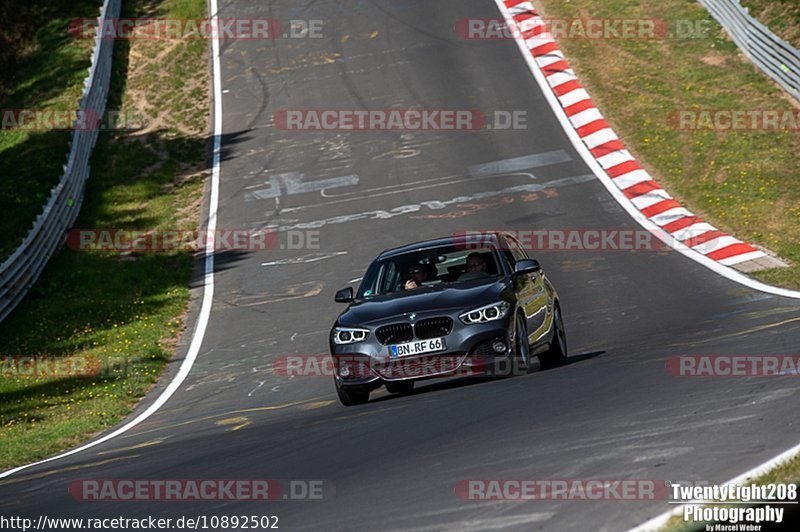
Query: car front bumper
{"type": "Point", "coordinates": [470, 351]}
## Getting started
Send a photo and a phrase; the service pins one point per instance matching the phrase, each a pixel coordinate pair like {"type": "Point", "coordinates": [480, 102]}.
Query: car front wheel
{"type": "Point", "coordinates": [522, 349]}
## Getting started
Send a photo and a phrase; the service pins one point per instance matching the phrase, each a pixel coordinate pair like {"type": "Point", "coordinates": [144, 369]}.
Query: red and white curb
{"type": "Point", "coordinates": [617, 169]}
{"type": "Point", "coordinates": [621, 167]}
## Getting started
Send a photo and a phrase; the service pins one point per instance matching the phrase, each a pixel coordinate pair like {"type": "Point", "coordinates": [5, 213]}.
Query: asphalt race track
{"type": "Point", "coordinates": [613, 412]}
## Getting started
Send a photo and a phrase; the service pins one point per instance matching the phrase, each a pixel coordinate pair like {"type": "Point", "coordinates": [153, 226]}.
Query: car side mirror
{"type": "Point", "coordinates": [345, 295]}
{"type": "Point", "coordinates": [527, 266]}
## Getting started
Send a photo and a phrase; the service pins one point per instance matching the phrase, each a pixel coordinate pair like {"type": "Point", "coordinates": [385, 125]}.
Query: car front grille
{"type": "Point", "coordinates": [395, 333]}
{"type": "Point", "coordinates": [433, 327]}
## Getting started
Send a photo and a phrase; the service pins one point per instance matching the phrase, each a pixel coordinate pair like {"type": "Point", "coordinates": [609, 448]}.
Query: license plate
{"type": "Point", "coordinates": [417, 348]}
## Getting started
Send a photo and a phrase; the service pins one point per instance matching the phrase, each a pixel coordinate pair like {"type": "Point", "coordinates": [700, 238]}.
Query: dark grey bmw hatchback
{"type": "Point", "coordinates": [461, 305]}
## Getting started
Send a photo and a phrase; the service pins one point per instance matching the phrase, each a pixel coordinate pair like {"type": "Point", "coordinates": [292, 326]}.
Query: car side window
{"type": "Point", "coordinates": [390, 279]}
{"type": "Point", "coordinates": [508, 252]}
{"type": "Point", "coordinates": [516, 249]}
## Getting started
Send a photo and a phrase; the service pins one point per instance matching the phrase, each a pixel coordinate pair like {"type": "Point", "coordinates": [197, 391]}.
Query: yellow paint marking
{"type": "Point", "coordinates": [768, 326]}
{"type": "Point", "coordinates": [330, 57]}
{"type": "Point", "coordinates": [65, 470]}
{"type": "Point", "coordinates": [324, 58]}
{"type": "Point", "coordinates": [317, 404]}
{"type": "Point", "coordinates": [264, 408]}
{"type": "Point", "coordinates": [345, 38]}
{"type": "Point", "coordinates": [234, 412]}
{"type": "Point", "coordinates": [372, 35]}
{"type": "Point", "coordinates": [239, 422]}
{"type": "Point", "coordinates": [745, 332]}
{"type": "Point", "coordinates": [133, 447]}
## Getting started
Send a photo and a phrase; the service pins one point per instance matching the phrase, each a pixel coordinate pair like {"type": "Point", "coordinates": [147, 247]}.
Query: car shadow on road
{"type": "Point", "coordinates": [574, 359]}
{"type": "Point", "coordinates": [449, 383]}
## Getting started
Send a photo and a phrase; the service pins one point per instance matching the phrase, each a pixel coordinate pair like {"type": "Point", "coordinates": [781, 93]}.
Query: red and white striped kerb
{"type": "Point", "coordinates": [609, 151]}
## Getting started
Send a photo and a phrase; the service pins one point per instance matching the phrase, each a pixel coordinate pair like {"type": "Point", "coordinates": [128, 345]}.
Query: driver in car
{"type": "Point", "coordinates": [417, 276]}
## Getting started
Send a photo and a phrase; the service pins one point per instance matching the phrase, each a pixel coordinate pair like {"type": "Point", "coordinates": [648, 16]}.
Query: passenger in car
{"type": "Point", "coordinates": [476, 267]}
{"type": "Point", "coordinates": [476, 262]}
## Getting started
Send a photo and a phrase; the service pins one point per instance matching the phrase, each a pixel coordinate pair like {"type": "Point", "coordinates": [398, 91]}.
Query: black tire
{"type": "Point", "coordinates": [521, 359]}
{"type": "Point", "coordinates": [400, 387]}
{"type": "Point", "coordinates": [351, 396]}
{"type": "Point", "coordinates": [556, 355]}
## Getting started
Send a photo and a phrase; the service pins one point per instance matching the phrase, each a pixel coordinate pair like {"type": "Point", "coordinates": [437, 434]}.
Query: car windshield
{"type": "Point", "coordinates": [429, 267]}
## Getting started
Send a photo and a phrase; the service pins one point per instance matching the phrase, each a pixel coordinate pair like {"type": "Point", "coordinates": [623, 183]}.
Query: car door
{"type": "Point", "coordinates": [531, 292]}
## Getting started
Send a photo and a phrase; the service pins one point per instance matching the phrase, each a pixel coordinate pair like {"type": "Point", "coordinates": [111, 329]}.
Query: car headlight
{"type": "Point", "coordinates": [492, 312]}
{"type": "Point", "coordinates": [349, 335]}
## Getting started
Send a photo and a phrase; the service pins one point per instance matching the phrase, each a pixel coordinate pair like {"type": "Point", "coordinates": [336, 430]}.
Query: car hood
{"type": "Point", "coordinates": [447, 297]}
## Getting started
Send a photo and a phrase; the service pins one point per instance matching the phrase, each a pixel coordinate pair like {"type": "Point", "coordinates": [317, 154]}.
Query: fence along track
{"type": "Point", "coordinates": [775, 57]}
{"type": "Point", "coordinates": [22, 268]}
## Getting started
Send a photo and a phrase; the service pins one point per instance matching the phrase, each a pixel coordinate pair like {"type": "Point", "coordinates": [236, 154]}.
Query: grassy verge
{"type": "Point", "coordinates": [744, 182]}
{"type": "Point", "coordinates": [125, 312]}
{"type": "Point", "coordinates": [46, 73]}
{"type": "Point", "coordinates": [781, 16]}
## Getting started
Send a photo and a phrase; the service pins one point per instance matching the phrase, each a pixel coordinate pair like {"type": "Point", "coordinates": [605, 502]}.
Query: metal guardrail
{"type": "Point", "coordinates": [775, 57]}
{"type": "Point", "coordinates": [21, 270]}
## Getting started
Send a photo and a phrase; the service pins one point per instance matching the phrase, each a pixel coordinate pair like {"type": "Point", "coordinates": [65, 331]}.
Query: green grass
{"type": "Point", "coordinates": [125, 311]}
{"type": "Point", "coordinates": [744, 182]}
{"type": "Point", "coordinates": [49, 75]}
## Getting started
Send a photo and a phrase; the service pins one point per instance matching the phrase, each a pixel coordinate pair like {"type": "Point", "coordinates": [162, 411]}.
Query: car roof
{"type": "Point", "coordinates": [458, 238]}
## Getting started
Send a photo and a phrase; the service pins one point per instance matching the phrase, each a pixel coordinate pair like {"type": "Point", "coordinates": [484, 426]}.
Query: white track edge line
{"type": "Point", "coordinates": [208, 280]}
{"type": "Point", "coordinates": [616, 193]}
{"type": "Point", "coordinates": [726, 272]}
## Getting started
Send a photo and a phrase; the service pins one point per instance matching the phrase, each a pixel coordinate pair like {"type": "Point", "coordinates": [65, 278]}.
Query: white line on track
{"type": "Point", "coordinates": [208, 280]}
{"type": "Point", "coordinates": [305, 259]}
{"type": "Point", "coordinates": [380, 214]}
{"type": "Point", "coordinates": [616, 193]}
{"type": "Point", "coordinates": [724, 271]}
